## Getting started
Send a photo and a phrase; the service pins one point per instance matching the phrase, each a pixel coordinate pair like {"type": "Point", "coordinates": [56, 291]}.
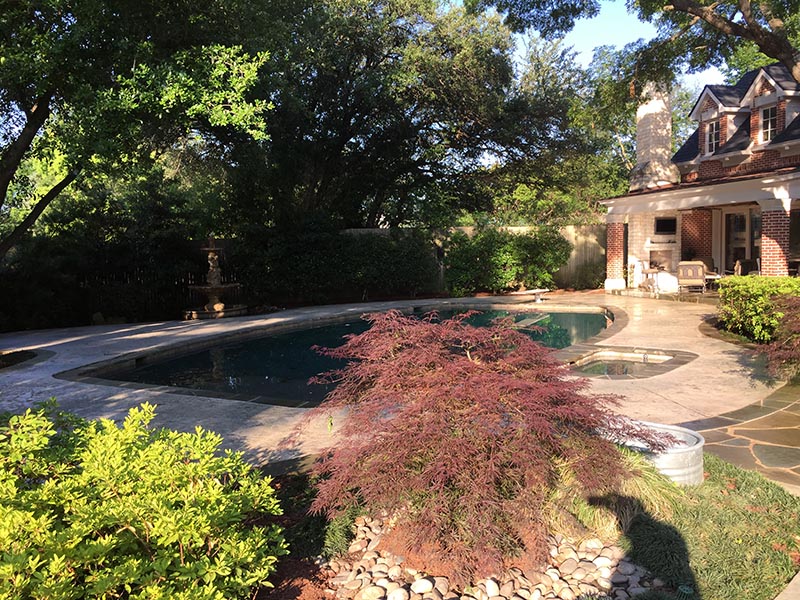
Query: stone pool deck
{"type": "Point", "coordinates": [746, 417]}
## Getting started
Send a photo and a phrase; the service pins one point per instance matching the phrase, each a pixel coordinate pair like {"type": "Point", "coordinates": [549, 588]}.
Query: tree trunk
{"type": "Point", "coordinates": [771, 42]}
{"type": "Point", "coordinates": [14, 237]}
{"type": "Point", "coordinates": [13, 155]}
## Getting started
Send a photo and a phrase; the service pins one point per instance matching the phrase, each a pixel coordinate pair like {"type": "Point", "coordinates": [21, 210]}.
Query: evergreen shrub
{"type": "Point", "coordinates": [497, 261]}
{"type": "Point", "coordinates": [465, 435]}
{"type": "Point", "coordinates": [317, 264]}
{"type": "Point", "coordinates": [94, 510]}
{"type": "Point", "coordinates": [747, 304]}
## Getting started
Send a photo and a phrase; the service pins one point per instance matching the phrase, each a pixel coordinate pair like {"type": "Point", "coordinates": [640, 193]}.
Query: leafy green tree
{"type": "Point", "coordinates": [704, 33]}
{"type": "Point", "coordinates": [743, 59]}
{"type": "Point", "coordinates": [382, 108]}
{"type": "Point", "coordinates": [574, 146]}
{"type": "Point", "coordinates": [101, 82]}
{"type": "Point", "coordinates": [696, 33]}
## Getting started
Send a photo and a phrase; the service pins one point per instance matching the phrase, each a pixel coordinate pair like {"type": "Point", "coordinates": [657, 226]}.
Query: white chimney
{"type": "Point", "coordinates": [654, 143]}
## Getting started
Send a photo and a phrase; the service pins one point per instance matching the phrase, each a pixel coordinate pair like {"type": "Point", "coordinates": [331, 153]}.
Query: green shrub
{"type": "Point", "coordinates": [319, 264]}
{"type": "Point", "coordinates": [93, 510]}
{"type": "Point", "coordinates": [747, 304]}
{"type": "Point", "coordinates": [497, 261]}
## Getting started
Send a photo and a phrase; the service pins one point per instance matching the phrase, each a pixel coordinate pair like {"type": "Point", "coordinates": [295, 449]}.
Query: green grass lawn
{"type": "Point", "coordinates": [739, 531]}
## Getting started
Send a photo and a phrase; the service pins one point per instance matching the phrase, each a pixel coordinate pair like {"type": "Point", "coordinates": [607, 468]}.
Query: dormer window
{"type": "Point", "coordinates": [769, 123]}
{"type": "Point", "coordinates": [712, 137]}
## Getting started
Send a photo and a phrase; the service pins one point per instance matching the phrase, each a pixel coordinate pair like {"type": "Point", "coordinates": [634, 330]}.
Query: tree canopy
{"type": "Point", "coordinates": [99, 82]}
{"type": "Point", "coordinates": [692, 33]}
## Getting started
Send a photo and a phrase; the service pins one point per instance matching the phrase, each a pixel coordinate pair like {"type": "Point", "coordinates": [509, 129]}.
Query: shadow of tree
{"type": "Point", "coordinates": [655, 545]}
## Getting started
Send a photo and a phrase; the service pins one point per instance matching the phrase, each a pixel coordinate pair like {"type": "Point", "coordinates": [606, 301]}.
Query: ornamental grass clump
{"type": "Point", "coordinates": [464, 433]}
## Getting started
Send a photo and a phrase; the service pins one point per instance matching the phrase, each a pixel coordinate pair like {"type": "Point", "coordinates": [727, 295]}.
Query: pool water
{"type": "Point", "coordinates": [275, 369]}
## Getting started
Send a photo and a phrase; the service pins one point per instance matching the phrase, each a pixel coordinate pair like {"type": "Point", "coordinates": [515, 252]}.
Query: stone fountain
{"type": "Point", "coordinates": [214, 290]}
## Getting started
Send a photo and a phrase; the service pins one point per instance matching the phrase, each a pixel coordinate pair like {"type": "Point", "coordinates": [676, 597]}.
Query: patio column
{"type": "Point", "coordinates": [775, 218]}
{"type": "Point", "coordinates": [615, 252]}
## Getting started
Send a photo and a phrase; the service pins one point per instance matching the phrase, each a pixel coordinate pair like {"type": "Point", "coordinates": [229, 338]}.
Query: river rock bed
{"type": "Point", "coordinates": [589, 569]}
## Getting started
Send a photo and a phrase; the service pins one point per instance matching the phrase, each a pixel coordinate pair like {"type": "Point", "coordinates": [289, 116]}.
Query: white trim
{"type": "Point", "coordinates": [750, 97]}
{"type": "Point", "coordinates": [765, 100]}
{"type": "Point", "coordinates": [787, 148]}
{"type": "Point", "coordinates": [695, 114]}
{"type": "Point", "coordinates": [719, 141]}
{"type": "Point", "coordinates": [717, 195]}
{"type": "Point", "coordinates": [761, 121]}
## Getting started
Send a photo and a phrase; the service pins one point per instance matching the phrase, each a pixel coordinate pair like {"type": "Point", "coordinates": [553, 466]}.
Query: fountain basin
{"type": "Point", "coordinates": [215, 308]}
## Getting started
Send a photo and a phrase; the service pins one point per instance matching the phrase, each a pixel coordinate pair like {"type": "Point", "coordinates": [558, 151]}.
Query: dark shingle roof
{"type": "Point", "coordinates": [689, 150]}
{"type": "Point", "coordinates": [791, 132]}
{"type": "Point", "coordinates": [782, 76]}
{"type": "Point", "coordinates": [740, 140]}
{"type": "Point", "coordinates": [732, 95]}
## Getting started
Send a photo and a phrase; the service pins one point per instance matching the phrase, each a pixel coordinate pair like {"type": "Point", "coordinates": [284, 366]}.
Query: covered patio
{"type": "Point", "coordinates": [752, 220]}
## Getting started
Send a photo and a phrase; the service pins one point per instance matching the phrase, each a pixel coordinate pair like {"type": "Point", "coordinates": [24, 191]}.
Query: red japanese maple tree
{"type": "Point", "coordinates": [460, 431]}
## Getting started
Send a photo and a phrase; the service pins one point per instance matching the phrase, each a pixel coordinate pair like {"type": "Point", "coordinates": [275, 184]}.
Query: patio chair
{"type": "Point", "coordinates": [708, 261]}
{"type": "Point", "coordinates": [747, 267]}
{"type": "Point", "coordinates": [692, 274]}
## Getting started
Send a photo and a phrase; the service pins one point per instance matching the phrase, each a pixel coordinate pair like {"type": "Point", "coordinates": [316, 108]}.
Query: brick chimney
{"type": "Point", "coordinates": [654, 143]}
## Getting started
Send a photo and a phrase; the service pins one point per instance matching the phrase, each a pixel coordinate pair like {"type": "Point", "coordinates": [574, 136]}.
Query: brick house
{"type": "Point", "coordinates": [731, 192]}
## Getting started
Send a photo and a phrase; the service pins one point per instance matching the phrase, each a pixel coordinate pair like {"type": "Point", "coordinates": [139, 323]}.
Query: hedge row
{"type": "Point", "coordinates": [498, 261]}
{"type": "Point", "coordinates": [313, 266]}
{"type": "Point", "coordinates": [748, 305]}
{"type": "Point", "coordinates": [56, 282]}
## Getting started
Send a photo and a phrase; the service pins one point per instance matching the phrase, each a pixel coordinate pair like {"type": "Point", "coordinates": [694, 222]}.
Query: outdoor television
{"type": "Point", "coordinates": [666, 226]}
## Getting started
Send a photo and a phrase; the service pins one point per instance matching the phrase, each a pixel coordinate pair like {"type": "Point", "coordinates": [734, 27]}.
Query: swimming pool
{"type": "Point", "coordinates": [275, 369]}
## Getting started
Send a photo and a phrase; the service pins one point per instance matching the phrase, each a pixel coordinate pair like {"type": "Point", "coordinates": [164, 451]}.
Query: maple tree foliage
{"type": "Point", "coordinates": [462, 432]}
{"type": "Point", "coordinates": [783, 352]}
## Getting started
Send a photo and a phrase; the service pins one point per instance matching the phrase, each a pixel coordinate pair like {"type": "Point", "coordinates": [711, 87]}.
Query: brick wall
{"type": "Point", "coordinates": [774, 243]}
{"type": "Point", "coordinates": [696, 233]}
{"type": "Point", "coordinates": [759, 162]}
{"type": "Point", "coordinates": [615, 248]}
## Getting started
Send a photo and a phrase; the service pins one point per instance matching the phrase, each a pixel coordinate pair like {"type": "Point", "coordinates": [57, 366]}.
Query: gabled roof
{"type": "Point", "coordinates": [782, 76]}
{"type": "Point", "coordinates": [731, 96]}
{"type": "Point", "coordinates": [726, 95]}
{"type": "Point", "coordinates": [689, 150]}
{"type": "Point", "coordinates": [739, 141]}
{"type": "Point", "coordinates": [790, 133]}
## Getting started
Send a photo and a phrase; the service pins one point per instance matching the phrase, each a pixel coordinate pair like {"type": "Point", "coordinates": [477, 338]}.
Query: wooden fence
{"type": "Point", "coordinates": [587, 263]}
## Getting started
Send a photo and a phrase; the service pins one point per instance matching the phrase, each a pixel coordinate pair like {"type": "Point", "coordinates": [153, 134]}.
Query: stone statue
{"type": "Point", "coordinates": [214, 276]}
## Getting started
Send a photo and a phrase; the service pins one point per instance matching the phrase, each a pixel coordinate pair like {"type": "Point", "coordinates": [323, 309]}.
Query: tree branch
{"type": "Point", "coordinates": [773, 42]}
{"type": "Point", "coordinates": [13, 154]}
{"type": "Point", "coordinates": [14, 237]}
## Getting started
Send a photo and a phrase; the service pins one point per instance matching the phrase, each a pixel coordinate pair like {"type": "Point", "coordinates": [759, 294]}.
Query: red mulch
{"type": "Point", "coordinates": [295, 579]}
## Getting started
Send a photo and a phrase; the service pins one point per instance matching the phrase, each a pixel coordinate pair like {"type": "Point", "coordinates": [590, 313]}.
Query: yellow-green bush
{"type": "Point", "coordinates": [96, 510]}
{"type": "Point", "coordinates": [747, 304]}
